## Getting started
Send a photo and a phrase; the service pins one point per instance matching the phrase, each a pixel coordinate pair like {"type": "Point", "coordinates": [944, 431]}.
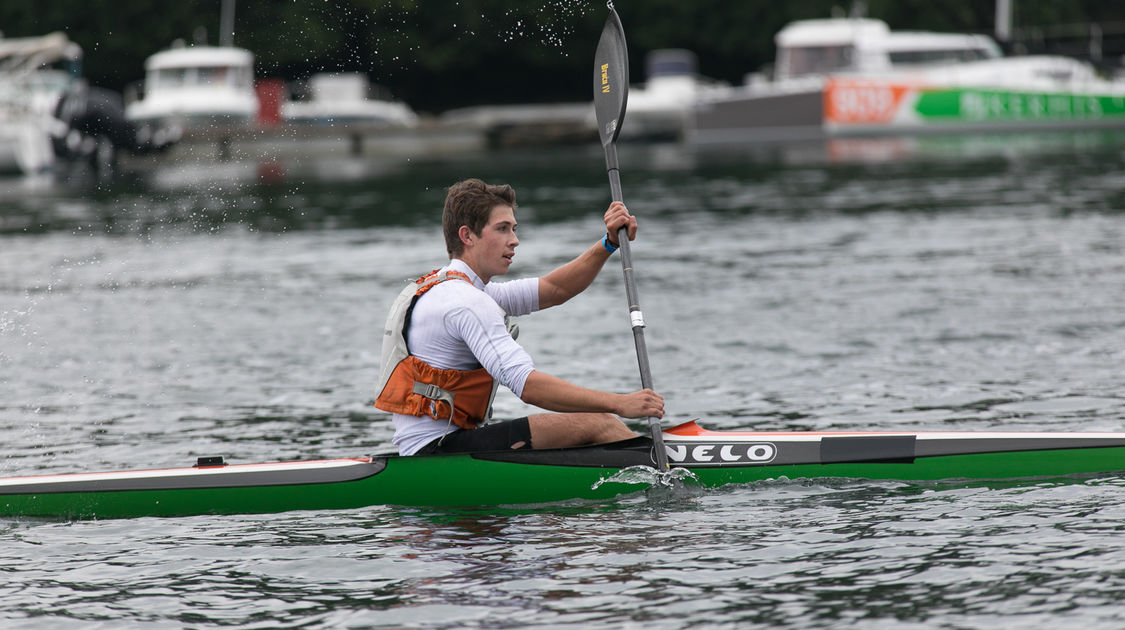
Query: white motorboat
{"type": "Point", "coordinates": [855, 77]}
{"type": "Point", "coordinates": [195, 86]}
{"type": "Point", "coordinates": [35, 74]}
{"type": "Point", "coordinates": [49, 115]}
{"type": "Point", "coordinates": [346, 98]}
{"type": "Point", "coordinates": [658, 110]}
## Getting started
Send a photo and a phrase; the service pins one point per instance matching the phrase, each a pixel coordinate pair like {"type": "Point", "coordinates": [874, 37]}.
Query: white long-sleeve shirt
{"type": "Point", "coordinates": [458, 326]}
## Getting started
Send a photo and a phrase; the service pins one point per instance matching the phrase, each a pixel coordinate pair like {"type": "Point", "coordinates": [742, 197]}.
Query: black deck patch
{"type": "Point", "coordinates": [632, 452]}
{"type": "Point", "coordinates": [888, 449]}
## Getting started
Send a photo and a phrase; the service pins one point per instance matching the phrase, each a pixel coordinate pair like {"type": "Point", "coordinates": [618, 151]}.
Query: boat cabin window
{"type": "Point", "coordinates": [670, 63]}
{"type": "Point", "coordinates": [50, 81]}
{"type": "Point", "coordinates": [213, 75]}
{"type": "Point", "coordinates": [169, 77]}
{"type": "Point", "coordinates": [912, 57]}
{"type": "Point", "coordinates": [801, 60]}
{"type": "Point", "coordinates": [1061, 75]}
{"type": "Point", "coordinates": [235, 76]}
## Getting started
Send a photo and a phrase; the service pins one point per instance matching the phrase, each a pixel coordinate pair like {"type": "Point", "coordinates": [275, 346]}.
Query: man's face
{"type": "Point", "coordinates": [493, 250]}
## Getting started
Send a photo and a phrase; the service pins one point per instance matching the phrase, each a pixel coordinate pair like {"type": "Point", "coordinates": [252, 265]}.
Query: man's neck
{"type": "Point", "coordinates": [471, 268]}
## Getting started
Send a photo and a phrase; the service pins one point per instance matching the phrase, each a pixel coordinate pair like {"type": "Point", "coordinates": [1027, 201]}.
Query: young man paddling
{"type": "Point", "coordinates": [447, 344]}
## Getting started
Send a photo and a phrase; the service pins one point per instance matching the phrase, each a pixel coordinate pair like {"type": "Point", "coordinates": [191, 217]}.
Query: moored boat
{"type": "Point", "coordinates": [714, 458]}
{"type": "Point", "coordinates": [50, 115]}
{"type": "Point", "coordinates": [659, 108]}
{"type": "Point", "coordinates": [346, 98]}
{"type": "Point", "coordinates": [855, 77]}
{"type": "Point", "coordinates": [197, 86]}
{"type": "Point", "coordinates": [36, 73]}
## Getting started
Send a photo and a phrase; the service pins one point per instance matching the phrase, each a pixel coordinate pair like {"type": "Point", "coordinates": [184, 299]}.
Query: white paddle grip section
{"type": "Point", "coordinates": [637, 319]}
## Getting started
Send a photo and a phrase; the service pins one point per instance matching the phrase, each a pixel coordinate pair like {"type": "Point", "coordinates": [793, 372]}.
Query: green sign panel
{"type": "Point", "coordinates": [972, 105]}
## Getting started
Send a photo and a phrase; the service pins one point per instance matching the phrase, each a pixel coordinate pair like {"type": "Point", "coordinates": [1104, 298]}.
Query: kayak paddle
{"type": "Point", "coordinates": [611, 92]}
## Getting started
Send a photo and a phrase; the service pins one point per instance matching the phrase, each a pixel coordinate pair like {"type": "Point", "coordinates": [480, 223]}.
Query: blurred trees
{"type": "Point", "coordinates": [441, 54]}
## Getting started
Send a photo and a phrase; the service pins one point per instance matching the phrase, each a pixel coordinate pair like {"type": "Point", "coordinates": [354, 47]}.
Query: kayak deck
{"type": "Point", "coordinates": [715, 458]}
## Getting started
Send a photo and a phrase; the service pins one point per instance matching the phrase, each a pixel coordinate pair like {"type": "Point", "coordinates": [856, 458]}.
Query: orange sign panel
{"type": "Point", "coordinates": [859, 101]}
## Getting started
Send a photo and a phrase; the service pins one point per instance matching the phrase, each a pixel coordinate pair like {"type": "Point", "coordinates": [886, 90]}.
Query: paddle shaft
{"type": "Point", "coordinates": [611, 95]}
{"type": "Point", "coordinates": [636, 318]}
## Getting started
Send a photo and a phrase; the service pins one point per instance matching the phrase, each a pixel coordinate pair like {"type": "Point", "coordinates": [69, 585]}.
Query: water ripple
{"type": "Point", "coordinates": [165, 318]}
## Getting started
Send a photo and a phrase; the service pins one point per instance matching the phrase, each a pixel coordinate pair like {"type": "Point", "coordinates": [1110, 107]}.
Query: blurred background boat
{"type": "Point", "coordinates": [855, 77]}
{"type": "Point", "coordinates": [196, 86]}
{"type": "Point", "coordinates": [35, 74]}
{"type": "Point", "coordinates": [331, 98]}
{"type": "Point", "coordinates": [659, 108]}
{"type": "Point", "coordinates": [49, 115]}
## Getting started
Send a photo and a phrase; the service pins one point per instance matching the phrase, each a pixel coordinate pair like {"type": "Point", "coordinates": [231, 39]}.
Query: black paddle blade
{"type": "Point", "coordinates": [611, 79]}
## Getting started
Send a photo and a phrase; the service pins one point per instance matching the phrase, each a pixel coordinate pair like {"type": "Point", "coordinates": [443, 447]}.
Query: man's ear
{"type": "Point", "coordinates": [465, 234]}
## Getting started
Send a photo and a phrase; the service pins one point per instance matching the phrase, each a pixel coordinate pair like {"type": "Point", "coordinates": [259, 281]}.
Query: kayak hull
{"type": "Point", "coordinates": [531, 477]}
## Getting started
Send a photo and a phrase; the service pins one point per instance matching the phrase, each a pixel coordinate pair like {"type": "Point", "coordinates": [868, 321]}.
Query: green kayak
{"type": "Point", "coordinates": [714, 458]}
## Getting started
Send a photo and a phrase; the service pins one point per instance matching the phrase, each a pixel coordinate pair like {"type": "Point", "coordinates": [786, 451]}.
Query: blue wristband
{"type": "Point", "coordinates": [609, 247]}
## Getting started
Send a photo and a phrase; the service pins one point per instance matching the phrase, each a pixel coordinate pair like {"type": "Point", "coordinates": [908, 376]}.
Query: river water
{"type": "Point", "coordinates": [179, 310]}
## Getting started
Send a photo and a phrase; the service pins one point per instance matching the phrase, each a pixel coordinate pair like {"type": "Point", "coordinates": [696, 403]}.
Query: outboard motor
{"type": "Point", "coordinates": [94, 127]}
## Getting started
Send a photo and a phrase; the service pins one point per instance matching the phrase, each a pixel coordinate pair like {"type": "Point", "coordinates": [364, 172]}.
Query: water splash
{"type": "Point", "coordinates": [552, 23]}
{"type": "Point", "coordinates": [647, 475]}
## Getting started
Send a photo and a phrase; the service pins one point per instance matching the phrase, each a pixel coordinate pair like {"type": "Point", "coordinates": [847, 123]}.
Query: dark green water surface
{"type": "Point", "coordinates": [178, 310]}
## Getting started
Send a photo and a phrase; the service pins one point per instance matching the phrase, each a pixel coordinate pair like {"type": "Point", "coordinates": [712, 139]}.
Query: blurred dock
{"type": "Point", "coordinates": [457, 131]}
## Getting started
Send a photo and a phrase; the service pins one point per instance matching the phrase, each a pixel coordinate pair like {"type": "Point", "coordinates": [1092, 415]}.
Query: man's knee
{"type": "Point", "coordinates": [606, 427]}
{"type": "Point", "coordinates": [602, 419]}
{"type": "Point", "coordinates": [574, 429]}
{"type": "Point", "coordinates": [595, 424]}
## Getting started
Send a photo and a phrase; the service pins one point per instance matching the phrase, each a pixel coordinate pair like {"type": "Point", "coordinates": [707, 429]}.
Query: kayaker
{"type": "Point", "coordinates": [439, 377]}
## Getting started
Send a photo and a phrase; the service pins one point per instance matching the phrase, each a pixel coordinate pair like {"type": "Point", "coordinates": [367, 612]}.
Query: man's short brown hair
{"type": "Point", "coordinates": [470, 202]}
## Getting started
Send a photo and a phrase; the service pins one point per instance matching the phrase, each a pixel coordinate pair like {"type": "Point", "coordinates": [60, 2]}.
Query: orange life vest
{"type": "Point", "coordinates": [408, 385]}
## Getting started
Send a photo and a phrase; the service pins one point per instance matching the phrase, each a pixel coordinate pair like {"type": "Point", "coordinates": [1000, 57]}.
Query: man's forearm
{"type": "Point", "coordinates": [555, 394]}
{"type": "Point", "coordinates": [572, 278]}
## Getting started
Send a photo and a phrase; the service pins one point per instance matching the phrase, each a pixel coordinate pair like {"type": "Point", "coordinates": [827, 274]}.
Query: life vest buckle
{"type": "Point", "coordinates": [433, 392]}
{"type": "Point", "coordinates": [436, 394]}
